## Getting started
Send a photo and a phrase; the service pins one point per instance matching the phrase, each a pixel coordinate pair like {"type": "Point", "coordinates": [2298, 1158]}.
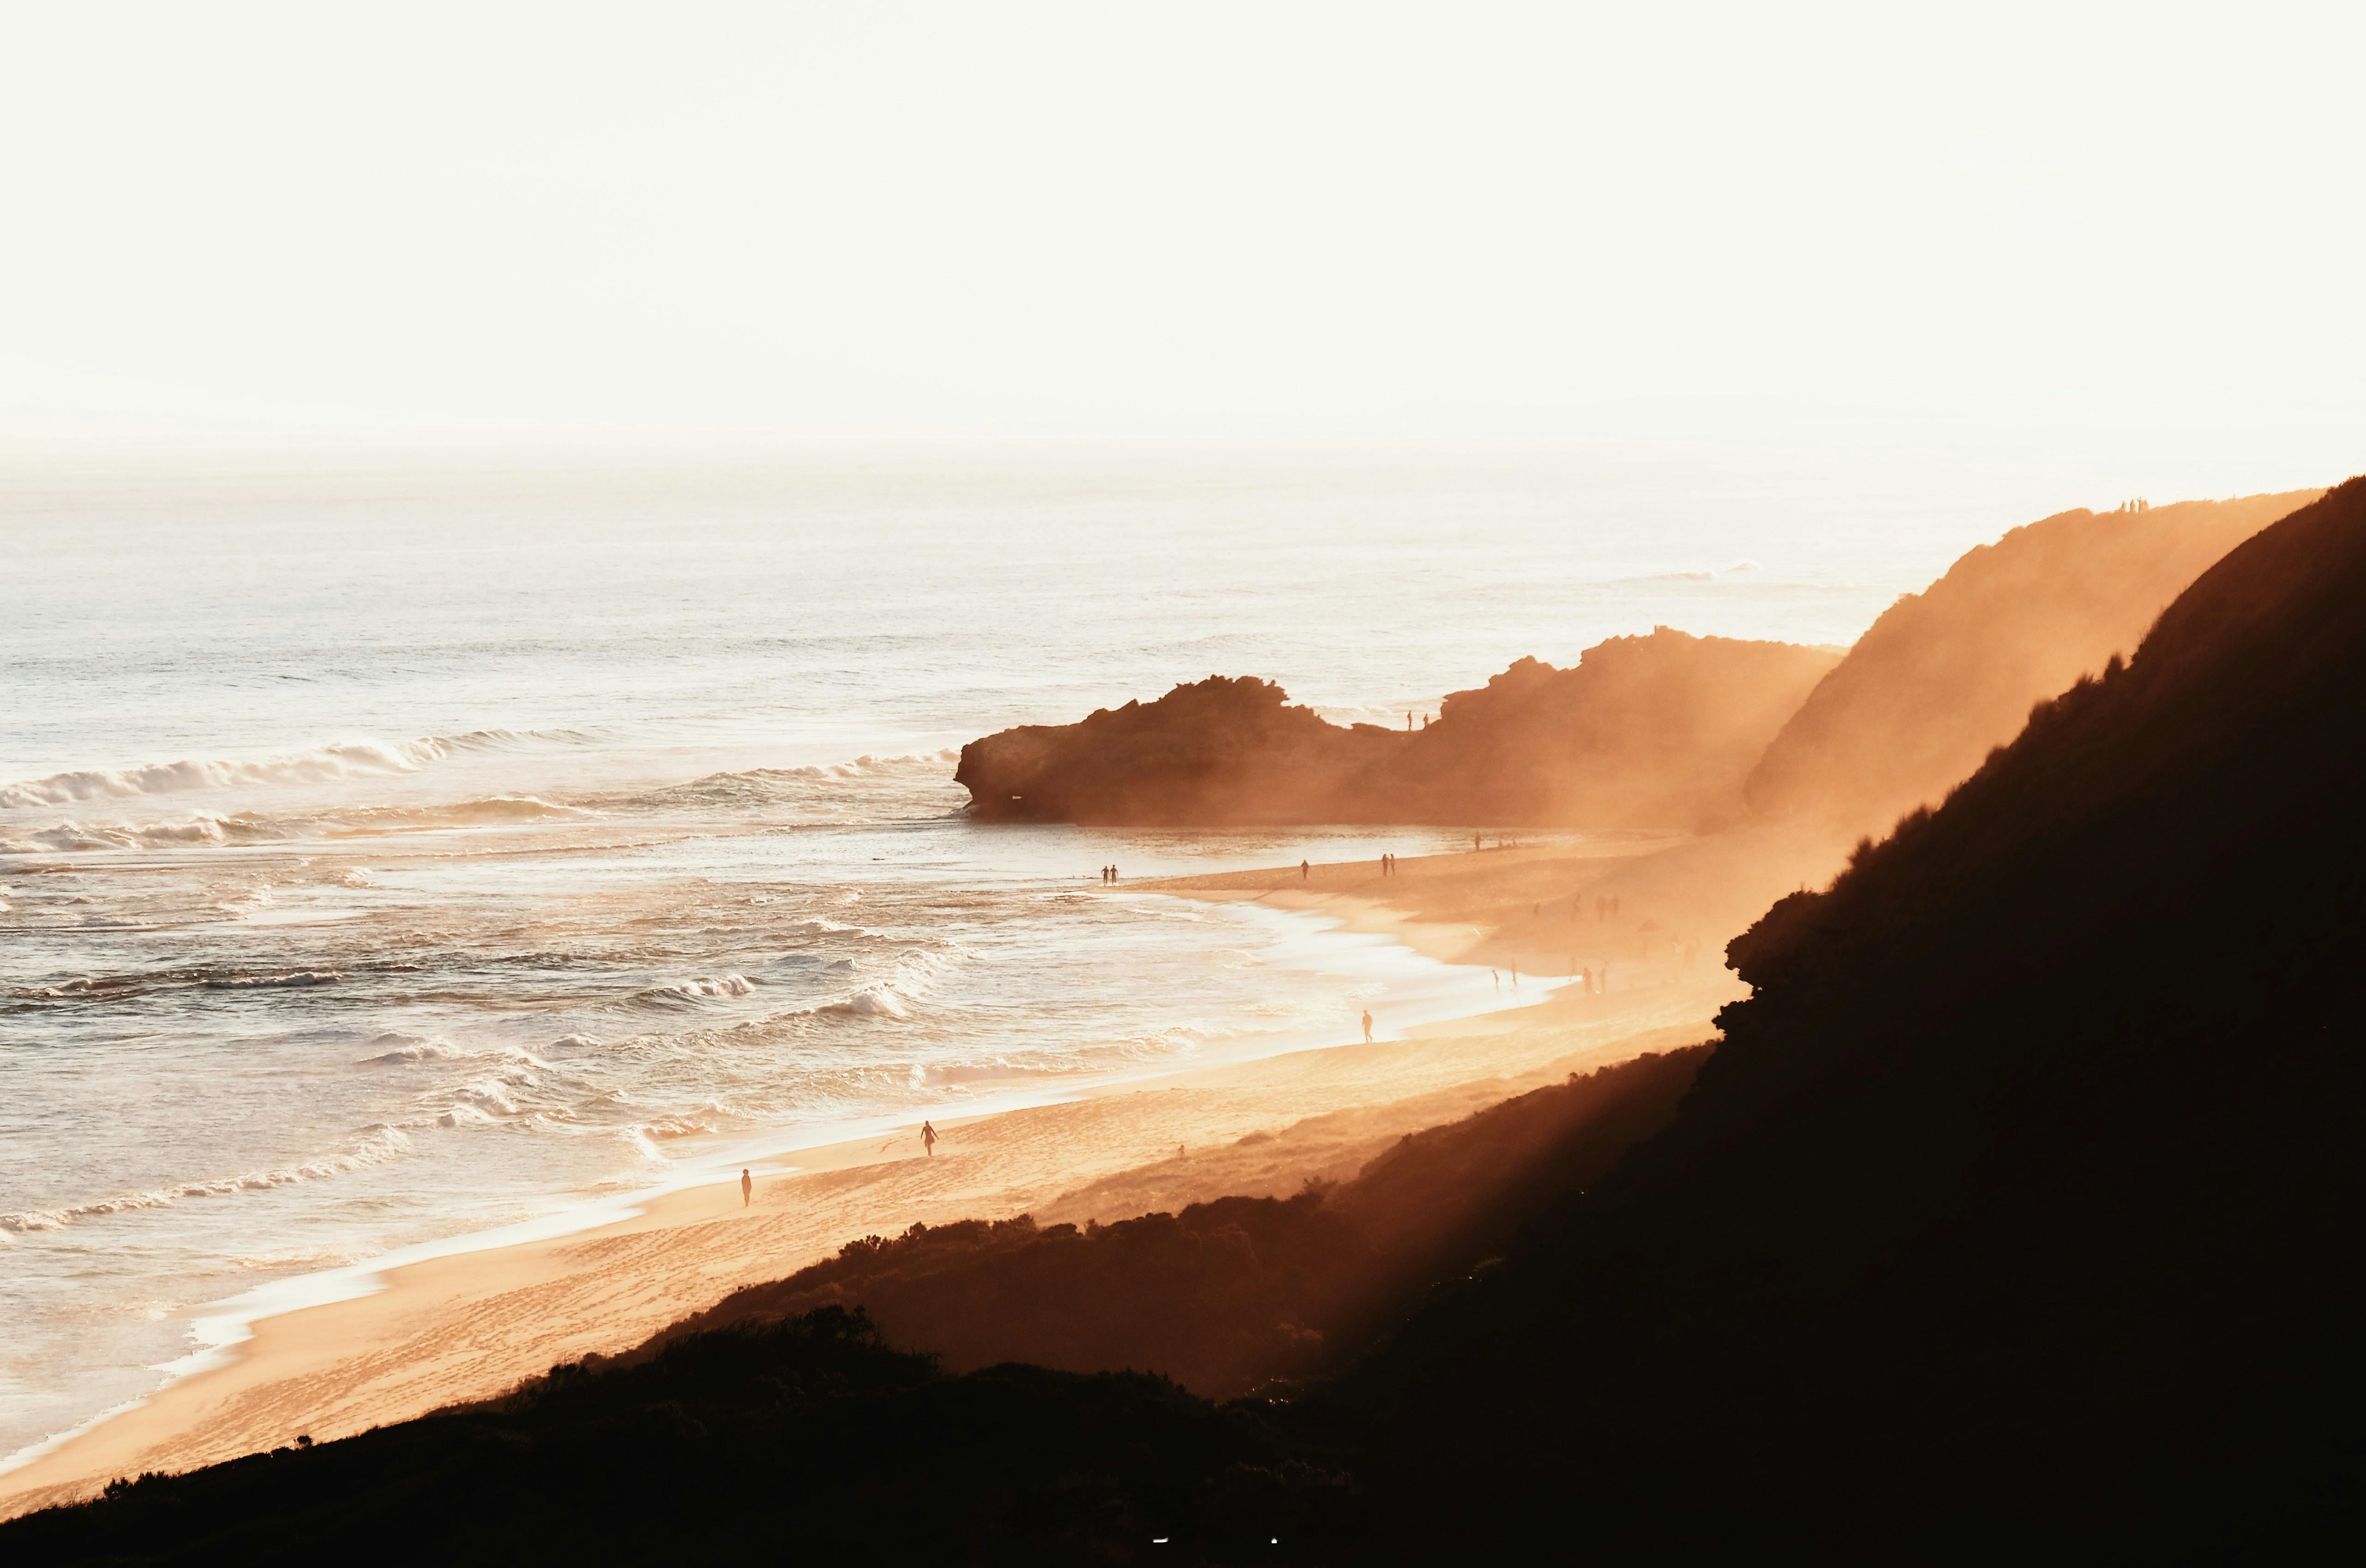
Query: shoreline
{"type": "Point", "coordinates": [469, 1317]}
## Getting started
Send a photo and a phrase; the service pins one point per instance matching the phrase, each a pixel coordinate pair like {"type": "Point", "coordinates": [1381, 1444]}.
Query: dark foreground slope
{"type": "Point", "coordinates": [1951, 672]}
{"type": "Point", "coordinates": [1228, 1294]}
{"type": "Point", "coordinates": [2018, 1210]}
{"type": "Point", "coordinates": [780, 1421]}
{"type": "Point", "coordinates": [1643, 732]}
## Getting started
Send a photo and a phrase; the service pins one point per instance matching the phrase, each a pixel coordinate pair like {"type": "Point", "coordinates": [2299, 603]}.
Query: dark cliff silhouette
{"type": "Point", "coordinates": [2018, 1205]}
{"type": "Point", "coordinates": [1643, 732]}
{"type": "Point", "coordinates": [1948, 674]}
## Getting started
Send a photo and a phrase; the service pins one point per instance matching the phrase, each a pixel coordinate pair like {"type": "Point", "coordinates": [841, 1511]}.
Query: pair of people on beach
{"type": "Point", "coordinates": [1388, 865]}
{"type": "Point", "coordinates": [928, 1141]}
{"type": "Point", "coordinates": [1108, 874]}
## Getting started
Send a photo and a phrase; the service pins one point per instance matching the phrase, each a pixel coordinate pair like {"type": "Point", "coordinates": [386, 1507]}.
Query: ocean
{"type": "Point", "coordinates": [396, 850]}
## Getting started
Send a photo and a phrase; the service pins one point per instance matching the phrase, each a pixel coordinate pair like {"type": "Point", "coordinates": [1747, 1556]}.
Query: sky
{"type": "Point", "coordinates": [2024, 231]}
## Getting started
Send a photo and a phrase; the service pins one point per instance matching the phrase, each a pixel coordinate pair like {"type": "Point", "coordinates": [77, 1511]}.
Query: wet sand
{"type": "Point", "coordinates": [467, 1326]}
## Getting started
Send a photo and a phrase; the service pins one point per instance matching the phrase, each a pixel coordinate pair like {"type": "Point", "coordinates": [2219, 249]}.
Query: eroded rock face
{"type": "Point", "coordinates": [1644, 732]}
{"type": "Point", "coordinates": [1948, 674]}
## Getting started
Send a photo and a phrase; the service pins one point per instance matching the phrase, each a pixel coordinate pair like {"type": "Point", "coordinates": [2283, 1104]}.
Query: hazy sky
{"type": "Point", "coordinates": [2031, 231]}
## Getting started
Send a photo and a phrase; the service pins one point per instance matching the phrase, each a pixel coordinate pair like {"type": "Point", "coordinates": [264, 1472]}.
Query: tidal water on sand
{"type": "Point", "coordinates": [391, 853]}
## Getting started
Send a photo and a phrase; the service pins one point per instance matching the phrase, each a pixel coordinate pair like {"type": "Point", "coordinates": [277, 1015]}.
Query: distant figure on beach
{"type": "Point", "coordinates": [1368, 1025]}
{"type": "Point", "coordinates": [1515, 976]}
{"type": "Point", "coordinates": [1303, 870]}
{"type": "Point", "coordinates": [1585, 981]}
{"type": "Point", "coordinates": [929, 1138]}
{"type": "Point", "coordinates": [1496, 977]}
{"type": "Point", "coordinates": [1113, 873]}
{"type": "Point", "coordinates": [746, 1189]}
{"type": "Point", "coordinates": [1474, 843]}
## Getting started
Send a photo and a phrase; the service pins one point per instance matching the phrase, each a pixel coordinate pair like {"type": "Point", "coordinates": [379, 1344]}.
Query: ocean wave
{"type": "Point", "coordinates": [871, 1002]}
{"type": "Point", "coordinates": [692, 990]}
{"type": "Point", "coordinates": [343, 759]}
{"type": "Point", "coordinates": [764, 786]}
{"type": "Point", "coordinates": [72, 837]}
{"type": "Point", "coordinates": [377, 1146]}
{"type": "Point", "coordinates": [258, 982]}
{"type": "Point", "coordinates": [403, 1048]}
{"type": "Point", "coordinates": [358, 757]}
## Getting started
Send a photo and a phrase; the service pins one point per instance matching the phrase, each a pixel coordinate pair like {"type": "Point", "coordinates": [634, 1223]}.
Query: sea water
{"type": "Point", "coordinates": [394, 851]}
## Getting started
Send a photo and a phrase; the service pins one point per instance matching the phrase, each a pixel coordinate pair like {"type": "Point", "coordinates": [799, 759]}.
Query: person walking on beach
{"type": "Point", "coordinates": [1496, 977]}
{"type": "Point", "coordinates": [1303, 870]}
{"type": "Point", "coordinates": [1368, 1025]}
{"type": "Point", "coordinates": [746, 1189]}
{"type": "Point", "coordinates": [929, 1138]}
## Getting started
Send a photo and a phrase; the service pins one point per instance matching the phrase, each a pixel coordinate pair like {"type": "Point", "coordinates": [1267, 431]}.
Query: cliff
{"type": "Point", "coordinates": [2016, 1203]}
{"type": "Point", "coordinates": [1946, 675]}
{"type": "Point", "coordinates": [1643, 732]}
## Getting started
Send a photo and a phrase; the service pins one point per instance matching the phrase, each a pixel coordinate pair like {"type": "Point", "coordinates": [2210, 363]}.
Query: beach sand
{"type": "Point", "coordinates": [471, 1325]}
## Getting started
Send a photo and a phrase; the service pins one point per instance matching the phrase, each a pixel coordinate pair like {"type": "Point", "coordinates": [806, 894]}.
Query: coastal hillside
{"type": "Point", "coordinates": [2016, 1203]}
{"type": "Point", "coordinates": [1643, 732]}
{"type": "Point", "coordinates": [1948, 674]}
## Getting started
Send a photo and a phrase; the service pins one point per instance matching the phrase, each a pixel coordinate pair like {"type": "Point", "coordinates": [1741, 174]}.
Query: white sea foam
{"type": "Point", "coordinates": [707, 990]}
{"type": "Point", "coordinates": [377, 1146]}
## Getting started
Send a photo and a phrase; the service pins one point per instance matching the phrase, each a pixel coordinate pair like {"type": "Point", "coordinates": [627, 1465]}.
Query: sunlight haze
{"type": "Point", "coordinates": [2017, 232]}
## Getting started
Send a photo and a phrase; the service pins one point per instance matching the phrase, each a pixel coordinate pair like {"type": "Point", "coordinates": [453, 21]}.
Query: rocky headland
{"type": "Point", "coordinates": [1643, 732]}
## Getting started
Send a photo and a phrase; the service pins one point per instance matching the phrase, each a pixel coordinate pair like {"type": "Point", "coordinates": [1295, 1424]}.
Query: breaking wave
{"type": "Point", "coordinates": [321, 764]}
{"type": "Point", "coordinates": [72, 836]}
{"type": "Point", "coordinates": [405, 1048]}
{"type": "Point", "coordinates": [378, 1145]}
{"type": "Point", "coordinates": [713, 990]}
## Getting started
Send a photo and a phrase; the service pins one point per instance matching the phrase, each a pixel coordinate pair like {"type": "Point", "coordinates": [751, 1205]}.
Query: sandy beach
{"type": "Point", "coordinates": [466, 1325]}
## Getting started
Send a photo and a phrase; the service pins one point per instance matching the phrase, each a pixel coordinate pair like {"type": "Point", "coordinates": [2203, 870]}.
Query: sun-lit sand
{"type": "Point", "coordinates": [467, 1326]}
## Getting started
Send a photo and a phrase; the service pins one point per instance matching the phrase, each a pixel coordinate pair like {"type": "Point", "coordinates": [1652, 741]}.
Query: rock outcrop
{"type": "Point", "coordinates": [1643, 732]}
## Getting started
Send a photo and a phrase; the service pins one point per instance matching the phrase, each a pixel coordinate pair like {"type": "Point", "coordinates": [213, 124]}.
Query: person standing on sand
{"type": "Point", "coordinates": [1496, 977]}
{"type": "Point", "coordinates": [929, 1138]}
{"type": "Point", "coordinates": [1303, 870]}
{"type": "Point", "coordinates": [746, 1189]}
{"type": "Point", "coordinates": [1368, 1025]}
